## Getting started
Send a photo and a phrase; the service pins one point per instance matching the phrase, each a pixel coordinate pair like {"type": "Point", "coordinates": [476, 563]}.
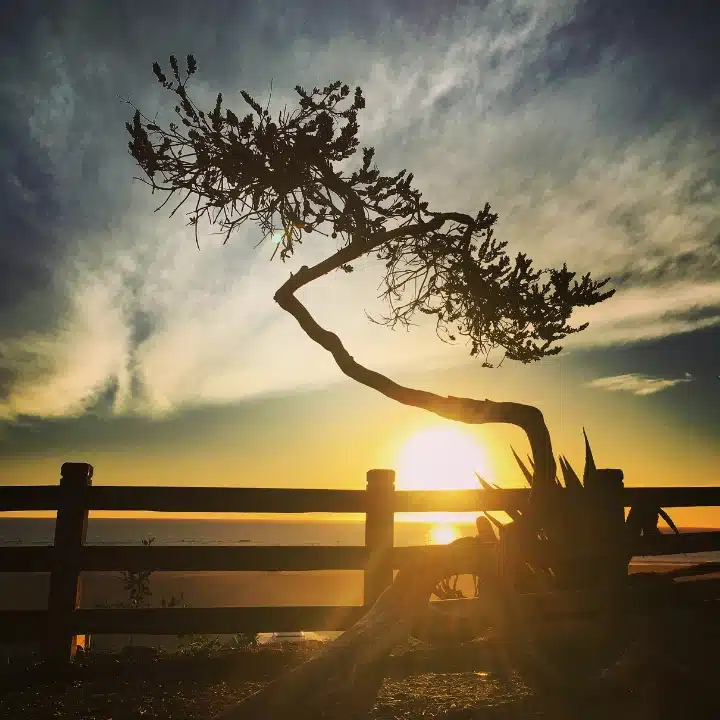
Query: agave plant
{"type": "Point", "coordinates": [572, 531]}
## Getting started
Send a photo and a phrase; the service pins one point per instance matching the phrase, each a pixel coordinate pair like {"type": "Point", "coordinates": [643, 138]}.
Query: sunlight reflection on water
{"type": "Point", "coordinates": [442, 534]}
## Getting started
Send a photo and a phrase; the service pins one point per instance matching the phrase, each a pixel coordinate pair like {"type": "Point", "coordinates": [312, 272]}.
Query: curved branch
{"type": "Point", "coordinates": [351, 252]}
{"type": "Point", "coordinates": [466, 410]}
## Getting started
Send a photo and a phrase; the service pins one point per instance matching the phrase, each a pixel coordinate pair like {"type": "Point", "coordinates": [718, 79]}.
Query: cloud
{"type": "Point", "coordinates": [647, 313]}
{"type": "Point", "coordinates": [483, 104]}
{"type": "Point", "coordinates": [636, 384]}
{"type": "Point", "coordinates": [58, 374]}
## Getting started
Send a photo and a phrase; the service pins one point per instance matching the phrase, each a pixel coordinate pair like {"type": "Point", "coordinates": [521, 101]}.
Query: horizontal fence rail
{"type": "Point", "coordinates": [61, 626]}
{"type": "Point", "coordinates": [181, 558]}
{"type": "Point", "coordinates": [231, 620]}
{"type": "Point", "coordinates": [176, 558]}
{"type": "Point", "coordinates": [291, 500]}
{"type": "Point", "coordinates": [185, 621]}
{"type": "Point", "coordinates": [29, 497]}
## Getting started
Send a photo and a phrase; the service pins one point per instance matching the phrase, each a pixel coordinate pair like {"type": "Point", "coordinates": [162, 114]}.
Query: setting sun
{"type": "Point", "coordinates": [440, 458]}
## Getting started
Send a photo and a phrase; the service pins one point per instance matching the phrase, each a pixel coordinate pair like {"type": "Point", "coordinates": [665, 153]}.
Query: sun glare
{"type": "Point", "coordinates": [440, 458]}
{"type": "Point", "coordinates": [443, 534]}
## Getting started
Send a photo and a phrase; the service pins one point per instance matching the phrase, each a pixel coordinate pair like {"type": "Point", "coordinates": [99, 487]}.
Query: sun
{"type": "Point", "coordinates": [440, 458]}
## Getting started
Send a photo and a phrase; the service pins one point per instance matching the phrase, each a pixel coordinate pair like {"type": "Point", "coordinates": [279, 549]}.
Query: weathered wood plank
{"type": "Point", "coordinates": [183, 558]}
{"type": "Point", "coordinates": [65, 585]}
{"type": "Point", "coordinates": [163, 621]}
{"type": "Point", "coordinates": [671, 544]}
{"type": "Point", "coordinates": [23, 625]}
{"type": "Point", "coordinates": [666, 497]}
{"type": "Point", "coordinates": [29, 497]}
{"type": "Point", "coordinates": [180, 558]}
{"type": "Point", "coordinates": [20, 624]}
{"type": "Point", "coordinates": [292, 500]}
{"type": "Point", "coordinates": [225, 499]}
{"type": "Point", "coordinates": [27, 559]}
{"type": "Point", "coordinates": [379, 533]}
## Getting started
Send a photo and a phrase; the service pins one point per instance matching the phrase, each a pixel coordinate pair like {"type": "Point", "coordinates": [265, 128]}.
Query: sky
{"type": "Point", "coordinates": [591, 127]}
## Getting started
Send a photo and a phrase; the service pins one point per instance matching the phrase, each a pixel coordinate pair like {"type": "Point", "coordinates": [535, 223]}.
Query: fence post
{"type": "Point", "coordinates": [507, 555]}
{"type": "Point", "coordinates": [379, 533]}
{"type": "Point", "coordinates": [70, 533]}
{"type": "Point", "coordinates": [608, 523]}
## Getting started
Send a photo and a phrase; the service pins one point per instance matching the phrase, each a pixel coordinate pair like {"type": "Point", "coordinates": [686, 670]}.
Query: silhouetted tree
{"type": "Point", "coordinates": [292, 175]}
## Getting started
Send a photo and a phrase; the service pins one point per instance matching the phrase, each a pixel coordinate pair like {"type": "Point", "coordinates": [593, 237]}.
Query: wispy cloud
{"type": "Point", "coordinates": [138, 319]}
{"type": "Point", "coordinates": [637, 384]}
{"type": "Point", "coordinates": [639, 313]}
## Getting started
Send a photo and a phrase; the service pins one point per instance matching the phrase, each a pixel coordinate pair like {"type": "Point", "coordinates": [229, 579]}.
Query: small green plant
{"type": "Point", "coordinates": [136, 584]}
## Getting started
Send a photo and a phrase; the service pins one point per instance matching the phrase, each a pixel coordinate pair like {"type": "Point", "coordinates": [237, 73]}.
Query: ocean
{"type": "Point", "coordinates": [105, 531]}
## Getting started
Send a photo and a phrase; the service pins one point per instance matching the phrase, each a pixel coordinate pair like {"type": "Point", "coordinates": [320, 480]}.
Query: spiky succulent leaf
{"type": "Point", "coordinates": [668, 520]}
{"type": "Point", "coordinates": [589, 472]}
{"type": "Point", "coordinates": [484, 483]}
{"type": "Point", "coordinates": [528, 475]}
{"type": "Point", "coordinates": [493, 520]}
{"type": "Point", "coordinates": [569, 475]}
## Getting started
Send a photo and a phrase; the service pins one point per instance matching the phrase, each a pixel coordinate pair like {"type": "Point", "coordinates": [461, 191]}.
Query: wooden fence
{"type": "Point", "coordinates": [59, 627]}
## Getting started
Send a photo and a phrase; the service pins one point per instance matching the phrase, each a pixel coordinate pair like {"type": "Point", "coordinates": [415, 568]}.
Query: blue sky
{"type": "Point", "coordinates": [591, 128]}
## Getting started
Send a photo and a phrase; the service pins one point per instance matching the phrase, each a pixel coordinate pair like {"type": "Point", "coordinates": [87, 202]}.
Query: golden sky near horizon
{"type": "Point", "coordinates": [342, 433]}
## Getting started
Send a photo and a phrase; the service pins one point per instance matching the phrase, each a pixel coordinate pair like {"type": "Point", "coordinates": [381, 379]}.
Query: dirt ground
{"type": "Point", "coordinates": [422, 682]}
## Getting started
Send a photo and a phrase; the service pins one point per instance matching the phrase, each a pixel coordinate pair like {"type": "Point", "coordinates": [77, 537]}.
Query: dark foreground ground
{"type": "Point", "coordinates": [423, 682]}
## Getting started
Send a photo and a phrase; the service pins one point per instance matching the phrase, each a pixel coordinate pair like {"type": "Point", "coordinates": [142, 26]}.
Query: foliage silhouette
{"type": "Point", "coordinates": [289, 176]}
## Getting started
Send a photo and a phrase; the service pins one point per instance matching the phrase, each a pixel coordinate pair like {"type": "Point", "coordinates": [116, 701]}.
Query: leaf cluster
{"type": "Point", "coordinates": [463, 277]}
{"type": "Point", "coordinates": [277, 172]}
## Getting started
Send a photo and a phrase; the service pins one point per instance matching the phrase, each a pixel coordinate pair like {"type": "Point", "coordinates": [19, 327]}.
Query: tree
{"type": "Point", "coordinates": [291, 175]}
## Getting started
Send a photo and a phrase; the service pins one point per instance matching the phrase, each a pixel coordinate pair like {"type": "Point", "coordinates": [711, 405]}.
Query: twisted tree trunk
{"type": "Point", "coordinates": [344, 679]}
{"type": "Point", "coordinates": [466, 410]}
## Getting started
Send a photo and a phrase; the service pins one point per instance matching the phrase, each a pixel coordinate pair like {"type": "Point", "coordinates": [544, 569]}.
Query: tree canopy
{"type": "Point", "coordinates": [302, 173]}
